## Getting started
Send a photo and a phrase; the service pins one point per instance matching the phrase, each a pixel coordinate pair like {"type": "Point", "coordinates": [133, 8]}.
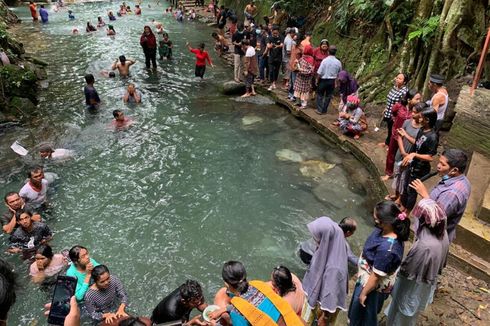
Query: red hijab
{"type": "Point", "coordinates": [308, 55]}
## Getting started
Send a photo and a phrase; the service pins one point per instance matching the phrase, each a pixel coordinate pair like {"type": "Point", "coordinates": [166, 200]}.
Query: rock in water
{"type": "Point", "coordinates": [251, 119]}
{"type": "Point", "coordinates": [257, 100]}
{"type": "Point", "coordinates": [314, 168]}
{"type": "Point", "coordinates": [288, 155]}
{"type": "Point", "coordinates": [233, 88]}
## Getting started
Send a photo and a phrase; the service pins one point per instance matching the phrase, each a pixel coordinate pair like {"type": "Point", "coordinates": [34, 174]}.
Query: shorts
{"type": "Point", "coordinates": [200, 70]}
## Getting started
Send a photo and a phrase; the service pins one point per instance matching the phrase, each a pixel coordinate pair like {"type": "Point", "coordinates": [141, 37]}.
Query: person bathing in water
{"type": "Point", "coordinates": [111, 31]}
{"type": "Point", "coordinates": [122, 65]}
{"type": "Point", "coordinates": [90, 27]}
{"type": "Point", "coordinates": [120, 120]}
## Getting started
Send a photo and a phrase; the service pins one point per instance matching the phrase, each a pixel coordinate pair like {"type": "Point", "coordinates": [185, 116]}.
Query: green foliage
{"type": "Point", "coordinates": [364, 11]}
{"type": "Point", "coordinates": [425, 30]}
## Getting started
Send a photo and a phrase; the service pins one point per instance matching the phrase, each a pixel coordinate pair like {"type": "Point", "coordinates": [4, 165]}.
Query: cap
{"type": "Point", "coordinates": [437, 79]}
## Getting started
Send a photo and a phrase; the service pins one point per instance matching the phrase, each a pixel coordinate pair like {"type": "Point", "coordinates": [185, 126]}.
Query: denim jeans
{"type": "Point", "coordinates": [263, 67]}
{"type": "Point", "coordinates": [365, 316]}
{"type": "Point", "coordinates": [292, 79]}
{"type": "Point", "coordinates": [324, 94]}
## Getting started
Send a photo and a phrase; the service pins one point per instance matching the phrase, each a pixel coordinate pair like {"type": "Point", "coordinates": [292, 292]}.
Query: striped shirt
{"type": "Point", "coordinates": [395, 95]}
{"type": "Point", "coordinates": [99, 302]}
{"type": "Point", "coordinates": [452, 196]}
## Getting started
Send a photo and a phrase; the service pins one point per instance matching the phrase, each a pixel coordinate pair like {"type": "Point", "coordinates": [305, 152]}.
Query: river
{"type": "Point", "coordinates": [195, 182]}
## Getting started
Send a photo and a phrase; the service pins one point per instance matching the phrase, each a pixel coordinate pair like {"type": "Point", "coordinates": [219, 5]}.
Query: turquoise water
{"type": "Point", "coordinates": [189, 186]}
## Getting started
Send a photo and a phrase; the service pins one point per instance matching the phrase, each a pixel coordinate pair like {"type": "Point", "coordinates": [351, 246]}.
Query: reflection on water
{"type": "Point", "coordinates": [195, 182]}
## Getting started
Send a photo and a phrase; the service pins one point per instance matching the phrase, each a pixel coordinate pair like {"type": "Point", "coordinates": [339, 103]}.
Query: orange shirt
{"type": "Point", "coordinates": [33, 9]}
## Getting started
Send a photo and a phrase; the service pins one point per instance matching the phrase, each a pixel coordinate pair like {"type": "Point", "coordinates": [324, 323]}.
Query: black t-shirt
{"type": "Point", "coordinates": [238, 38]}
{"type": "Point", "coordinates": [6, 217]}
{"type": "Point", "coordinates": [170, 309]}
{"type": "Point", "coordinates": [252, 37]}
{"type": "Point", "coordinates": [275, 54]}
{"type": "Point", "coordinates": [425, 144]}
{"type": "Point", "coordinates": [91, 94]}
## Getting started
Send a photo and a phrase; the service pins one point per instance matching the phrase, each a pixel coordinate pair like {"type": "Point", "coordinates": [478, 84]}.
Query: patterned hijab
{"type": "Point", "coordinates": [427, 210]}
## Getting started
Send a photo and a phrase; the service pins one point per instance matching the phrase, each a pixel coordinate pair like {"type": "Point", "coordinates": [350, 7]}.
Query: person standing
{"type": "Point", "coordinates": [34, 192]}
{"type": "Point", "coordinates": [122, 65]}
{"type": "Point", "coordinates": [417, 279]}
{"type": "Point", "coordinates": [347, 86]}
{"type": "Point", "coordinates": [381, 256]}
{"type": "Point", "coordinates": [44, 14]}
{"type": "Point", "coordinates": [395, 95]}
{"type": "Point", "coordinates": [250, 12]}
{"type": "Point", "coordinates": [148, 42]}
{"type": "Point", "coordinates": [132, 95]}
{"type": "Point", "coordinates": [33, 9]}
{"type": "Point", "coordinates": [439, 100]}
{"type": "Point", "coordinates": [264, 73]}
{"type": "Point", "coordinates": [15, 204]}
{"type": "Point", "coordinates": [289, 42]}
{"type": "Point", "coordinates": [251, 68]}
{"type": "Point", "coordinates": [327, 74]}
{"type": "Point", "coordinates": [307, 40]}
{"type": "Point", "coordinates": [81, 268]}
{"type": "Point", "coordinates": [326, 280]}
{"type": "Point", "coordinates": [454, 189]}
{"type": "Point", "coordinates": [92, 99]}
{"type": "Point", "coordinates": [201, 58]}
{"type": "Point", "coordinates": [302, 82]}
{"type": "Point", "coordinates": [274, 52]}
{"type": "Point", "coordinates": [238, 53]}
{"type": "Point", "coordinates": [29, 235]}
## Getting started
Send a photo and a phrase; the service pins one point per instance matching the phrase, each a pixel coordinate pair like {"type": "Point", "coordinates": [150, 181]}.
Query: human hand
{"type": "Point", "coordinates": [401, 132]}
{"type": "Point", "coordinates": [407, 159]}
{"type": "Point", "coordinates": [217, 313]}
{"type": "Point", "coordinates": [121, 313]}
{"type": "Point", "coordinates": [109, 317]}
{"type": "Point", "coordinates": [73, 317]}
{"type": "Point", "coordinates": [419, 188]}
{"type": "Point", "coordinates": [197, 321]}
{"type": "Point", "coordinates": [362, 299]}
{"type": "Point", "coordinates": [89, 267]}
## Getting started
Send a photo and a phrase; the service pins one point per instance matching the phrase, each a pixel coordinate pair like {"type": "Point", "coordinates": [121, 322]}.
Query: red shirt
{"type": "Point", "coordinates": [33, 10]}
{"type": "Point", "coordinates": [318, 55]}
{"type": "Point", "coordinates": [400, 113]}
{"type": "Point", "coordinates": [201, 57]}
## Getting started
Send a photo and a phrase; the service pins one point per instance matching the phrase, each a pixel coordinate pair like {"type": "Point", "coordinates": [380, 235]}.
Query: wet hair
{"type": "Point", "coordinates": [74, 253]}
{"type": "Point", "coordinates": [283, 280]}
{"type": "Point", "coordinates": [46, 251]}
{"type": "Point", "coordinates": [456, 158]}
{"type": "Point", "coordinates": [89, 78]}
{"type": "Point", "coordinates": [201, 46]}
{"type": "Point", "coordinates": [8, 285]}
{"type": "Point", "coordinates": [122, 58]}
{"type": "Point", "coordinates": [19, 213]}
{"type": "Point", "coordinates": [190, 290]}
{"type": "Point", "coordinates": [245, 42]}
{"type": "Point", "coordinates": [11, 193]}
{"type": "Point", "coordinates": [37, 168]}
{"type": "Point", "coordinates": [98, 271]}
{"type": "Point", "coordinates": [431, 115]}
{"type": "Point", "coordinates": [115, 113]}
{"type": "Point", "coordinates": [408, 96]}
{"type": "Point", "coordinates": [388, 212]}
{"type": "Point", "coordinates": [112, 74]}
{"type": "Point", "coordinates": [421, 106]}
{"type": "Point", "coordinates": [332, 50]}
{"type": "Point", "coordinates": [348, 224]}
{"type": "Point", "coordinates": [46, 148]}
{"type": "Point", "coordinates": [235, 275]}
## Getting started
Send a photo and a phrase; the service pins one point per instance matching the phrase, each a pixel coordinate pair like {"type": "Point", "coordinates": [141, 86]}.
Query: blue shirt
{"type": "Point", "coordinates": [383, 254]}
{"type": "Point", "coordinates": [44, 15]}
{"type": "Point", "coordinates": [329, 68]}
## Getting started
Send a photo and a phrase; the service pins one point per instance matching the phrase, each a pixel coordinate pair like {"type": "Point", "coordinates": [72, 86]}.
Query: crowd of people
{"type": "Point", "coordinates": [383, 268]}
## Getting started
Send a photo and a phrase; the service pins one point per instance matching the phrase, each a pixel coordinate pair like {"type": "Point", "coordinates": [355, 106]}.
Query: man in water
{"type": "Point", "coordinates": [14, 204]}
{"type": "Point", "coordinates": [120, 120]}
{"type": "Point", "coordinates": [29, 235]}
{"type": "Point", "coordinates": [44, 14]}
{"type": "Point", "coordinates": [33, 9]}
{"type": "Point", "coordinates": [92, 99]}
{"type": "Point", "coordinates": [34, 192]}
{"type": "Point", "coordinates": [132, 95]}
{"type": "Point", "coordinates": [48, 152]}
{"type": "Point", "coordinates": [178, 305]}
{"type": "Point", "coordinates": [122, 65]}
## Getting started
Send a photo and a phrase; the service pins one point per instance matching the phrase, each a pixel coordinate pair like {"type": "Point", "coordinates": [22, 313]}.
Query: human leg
{"type": "Point", "coordinates": [291, 85]}
{"type": "Point", "coordinates": [153, 57]}
{"type": "Point", "coordinates": [236, 67]}
{"type": "Point", "coordinates": [389, 126]}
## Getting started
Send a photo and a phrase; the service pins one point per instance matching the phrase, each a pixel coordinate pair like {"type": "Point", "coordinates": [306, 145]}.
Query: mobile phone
{"type": "Point", "coordinates": [60, 305]}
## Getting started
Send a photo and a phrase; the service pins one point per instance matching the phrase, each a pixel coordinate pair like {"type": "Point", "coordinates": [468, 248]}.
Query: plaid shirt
{"type": "Point", "coordinates": [452, 195]}
{"type": "Point", "coordinates": [395, 95]}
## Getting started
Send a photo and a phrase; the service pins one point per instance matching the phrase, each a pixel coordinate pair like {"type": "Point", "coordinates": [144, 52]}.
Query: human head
{"type": "Point", "coordinates": [36, 175]}
{"type": "Point", "coordinates": [324, 45]}
{"type": "Point", "coordinates": [44, 254]}
{"type": "Point", "coordinates": [147, 30]}
{"type": "Point", "coordinates": [201, 46]}
{"type": "Point", "coordinates": [387, 215]}
{"type": "Point", "coordinates": [118, 115]}
{"type": "Point", "coordinates": [428, 118]}
{"type": "Point", "coordinates": [275, 30]}
{"type": "Point", "coordinates": [42, 6]}
{"type": "Point", "coordinates": [8, 285]}
{"type": "Point", "coordinates": [110, 27]}
{"type": "Point", "coordinates": [215, 35]}
{"type": "Point", "coordinates": [435, 82]}
{"type": "Point", "coordinates": [332, 50]}
{"type": "Point", "coordinates": [101, 276]}
{"type": "Point", "coordinates": [112, 74]}
{"type": "Point", "coordinates": [191, 294]}
{"type": "Point", "coordinates": [79, 255]}
{"type": "Point", "coordinates": [417, 108]}
{"type": "Point", "coordinates": [89, 78]}
{"type": "Point", "coordinates": [452, 163]}
{"type": "Point", "coordinates": [343, 77]}
{"type": "Point", "coordinates": [308, 34]}
{"type": "Point", "coordinates": [45, 150]}
{"type": "Point", "coordinates": [409, 96]}
{"type": "Point", "coordinates": [13, 200]}
{"type": "Point", "coordinates": [110, 13]}
{"type": "Point", "coordinates": [122, 59]}
{"type": "Point", "coordinates": [70, 12]}
{"type": "Point", "coordinates": [131, 87]}
{"type": "Point", "coordinates": [401, 80]}
{"type": "Point", "coordinates": [431, 216]}
{"type": "Point", "coordinates": [24, 218]}
{"type": "Point", "coordinates": [353, 101]}
{"type": "Point", "coordinates": [99, 18]}
{"type": "Point", "coordinates": [240, 27]}
{"type": "Point", "coordinates": [235, 276]}
{"type": "Point", "coordinates": [282, 280]}
{"type": "Point", "coordinates": [348, 226]}
{"type": "Point", "coordinates": [245, 43]}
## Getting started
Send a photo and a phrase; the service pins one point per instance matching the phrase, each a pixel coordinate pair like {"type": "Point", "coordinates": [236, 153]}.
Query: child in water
{"type": "Point", "coordinates": [110, 30]}
{"type": "Point", "coordinates": [165, 47]}
{"type": "Point", "coordinates": [100, 22]}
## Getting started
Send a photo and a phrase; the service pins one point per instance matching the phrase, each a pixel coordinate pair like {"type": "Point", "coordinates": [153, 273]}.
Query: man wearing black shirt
{"type": "Point", "coordinates": [237, 39]}
{"type": "Point", "coordinates": [177, 306]}
{"type": "Point", "coordinates": [274, 50]}
{"type": "Point", "coordinates": [15, 203]}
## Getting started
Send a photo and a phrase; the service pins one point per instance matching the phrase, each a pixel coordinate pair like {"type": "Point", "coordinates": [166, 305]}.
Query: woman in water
{"type": "Point", "coordinates": [111, 16]}
{"type": "Point", "coordinates": [381, 256]}
{"type": "Point", "coordinates": [46, 264]}
{"type": "Point", "coordinates": [289, 287]}
{"type": "Point", "coordinates": [148, 42]}
{"type": "Point", "coordinates": [201, 58]}
{"type": "Point", "coordinates": [417, 280]}
{"type": "Point", "coordinates": [111, 31]}
{"type": "Point", "coordinates": [100, 22]}
{"type": "Point", "coordinates": [90, 28]}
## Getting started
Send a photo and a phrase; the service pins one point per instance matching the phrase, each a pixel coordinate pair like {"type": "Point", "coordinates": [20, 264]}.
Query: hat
{"type": "Point", "coordinates": [436, 79]}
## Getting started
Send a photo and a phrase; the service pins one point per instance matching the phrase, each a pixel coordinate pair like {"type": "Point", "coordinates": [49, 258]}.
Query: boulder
{"type": "Point", "coordinates": [251, 119]}
{"type": "Point", "coordinates": [233, 88]}
{"type": "Point", "coordinates": [257, 100]}
{"type": "Point", "coordinates": [21, 106]}
{"type": "Point", "coordinates": [288, 155]}
{"type": "Point", "coordinates": [315, 169]}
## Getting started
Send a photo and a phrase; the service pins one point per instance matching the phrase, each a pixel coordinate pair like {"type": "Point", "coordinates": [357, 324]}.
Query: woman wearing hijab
{"type": "Point", "coordinates": [302, 83]}
{"type": "Point", "coordinates": [417, 279]}
{"type": "Point", "coordinates": [325, 281]}
{"type": "Point", "coordinates": [148, 42]}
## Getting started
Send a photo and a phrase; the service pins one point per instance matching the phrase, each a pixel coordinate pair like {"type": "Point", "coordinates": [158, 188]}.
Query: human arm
{"type": "Point", "coordinates": [420, 188]}
{"type": "Point", "coordinates": [401, 147]}
{"type": "Point", "coordinates": [126, 97]}
{"type": "Point", "coordinates": [370, 285]}
{"type": "Point", "coordinates": [16, 243]}
{"type": "Point", "coordinates": [438, 101]}
{"type": "Point", "coordinates": [73, 317]}
{"type": "Point", "coordinates": [114, 65]}
{"type": "Point", "coordinates": [422, 157]}
{"type": "Point", "coordinates": [208, 58]}
{"type": "Point", "coordinates": [92, 309]}
{"type": "Point", "coordinates": [137, 96]}
{"type": "Point", "coordinates": [10, 226]}
{"type": "Point", "coordinates": [403, 133]}
{"type": "Point", "coordinates": [82, 288]}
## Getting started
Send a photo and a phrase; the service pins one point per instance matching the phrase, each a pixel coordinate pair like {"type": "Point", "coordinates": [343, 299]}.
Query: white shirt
{"type": "Point", "coordinates": [329, 68]}
{"type": "Point", "coordinates": [32, 197]}
{"type": "Point", "coordinates": [61, 153]}
{"type": "Point", "coordinates": [250, 52]}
